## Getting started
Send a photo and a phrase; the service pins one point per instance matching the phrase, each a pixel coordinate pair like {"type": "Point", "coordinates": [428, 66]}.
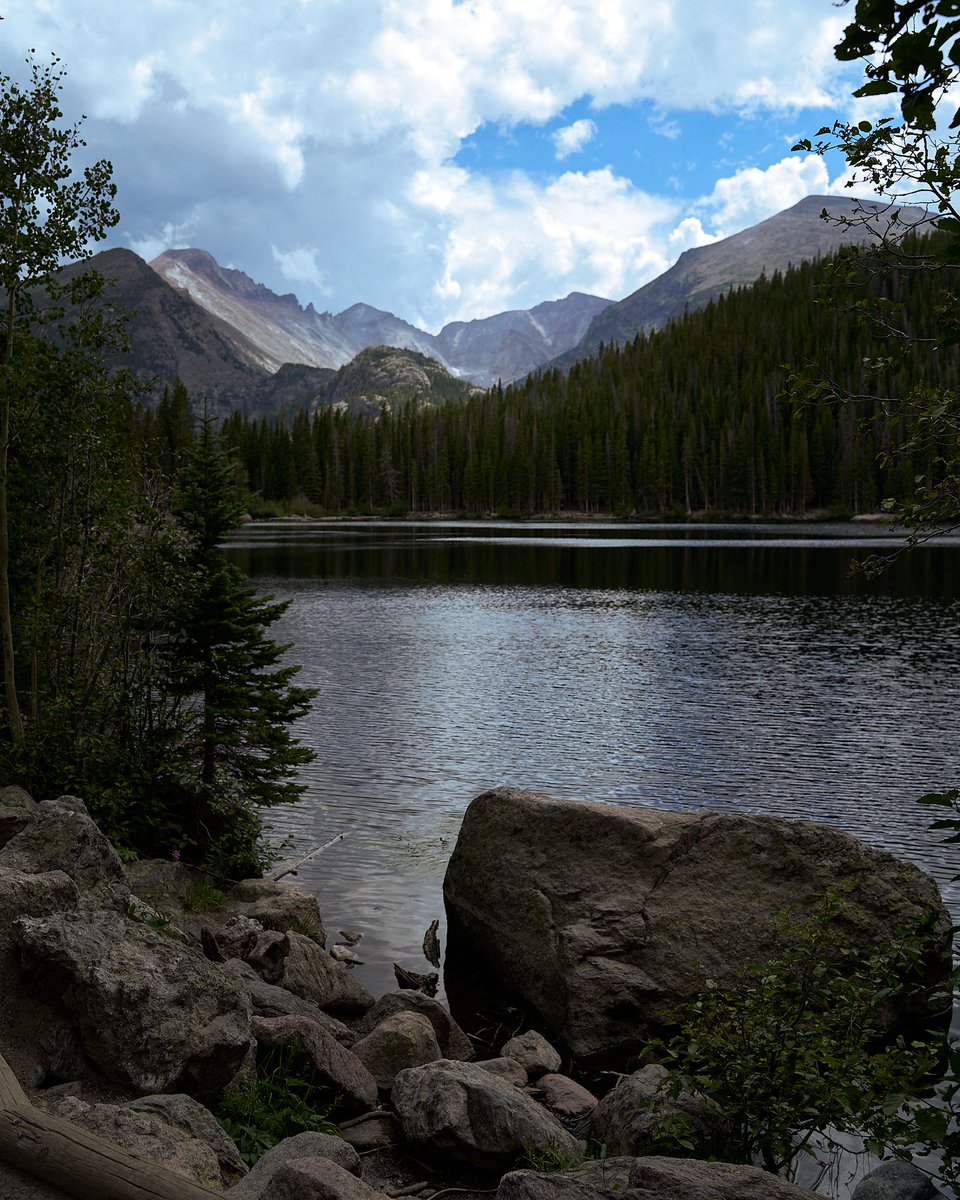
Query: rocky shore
{"type": "Point", "coordinates": [134, 996]}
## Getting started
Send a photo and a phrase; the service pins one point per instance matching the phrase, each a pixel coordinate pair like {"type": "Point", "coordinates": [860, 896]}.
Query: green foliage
{"type": "Point", "coordinates": [549, 1157]}
{"type": "Point", "coordinates": [790, 1046]}
{"type": "Point", "coordinates": [204, 897]}
{"type": "Point", "coordinates": [273, 1103]}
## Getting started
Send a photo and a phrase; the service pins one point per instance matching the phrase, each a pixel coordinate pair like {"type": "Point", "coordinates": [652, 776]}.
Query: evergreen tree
{"type": "Point", "coordinates": [232, 748]}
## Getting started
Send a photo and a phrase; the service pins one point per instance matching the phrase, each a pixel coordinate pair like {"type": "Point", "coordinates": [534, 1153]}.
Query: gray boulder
{"type": "Point", "coordinates": [328, 1063]}
{"type": "Point", "coordinates": [267, 1179]}
{"type": "Point", "coordinates": [271, 1001]}
{"type": "Point", "coordinates": [60, 838]}
{"type": "Point", "coordinates": [533, 1052]}
{"type": "Point", "coordinates": [453, 1042]}
{"type": "Point", "coordinates": [150, 1136]}
{"type": "Point", "coordinates": [593, 1180]}
{"type": "Point", "coordinates": [507, 1069]}
{"type": "Point", "coordinates": [459, 1111]}
{"type": "Point", "coordinates": [896, 1181]}
{"type": "Point", "coordinates": [282, 906]}
{"type": "Point", "coordinates": [628, 1117]}
{"type": "Point", "coordinates": [17, 808]}
{"type": "Point", "coordinates": [148, 1011]}
{"type": "Point", "coordinates": [657, 1178]}
{"type": "Point", "coordinates": [404, 1040]}
{"type": "Point", "coordinates": [184, 1113]}
{"type": "Point", "coordinates": [621, 909]}
{"type": "Point", "coordinates": [298, 964]}
{"type": "Point", "coordinates": [566, 1098]}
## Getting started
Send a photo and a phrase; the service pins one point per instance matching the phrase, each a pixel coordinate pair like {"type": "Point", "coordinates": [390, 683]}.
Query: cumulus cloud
{"type": "Point", "coordinates": [753, 194]}
{"type": "Point", "coordinates": [300, 266]}
{"type": "Point", "coordinates": [572, 138]}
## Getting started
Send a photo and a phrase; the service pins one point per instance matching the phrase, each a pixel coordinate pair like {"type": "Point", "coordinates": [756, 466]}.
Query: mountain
{"type": "Point", "coordinates": [506, 346]}
{"type": "Point", "coordinates": [796, 235]}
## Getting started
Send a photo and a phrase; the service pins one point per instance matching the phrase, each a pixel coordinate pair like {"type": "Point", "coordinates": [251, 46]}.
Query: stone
{"type": "Point", "coordinates": [592, 1180]}
{"type": "Point", "coordinates": [406, 1039]}
{"type": "Point", "coordinates": [622, 913]}
{"type": "Point", "coordinates": [453, 1042]}
{"type": "Point", "coordinates": [309, 972]}
{"type": "Point", "coordinates": [461, 1112]}
{"type": "Point", "coordinates": [17, 809]}
{"type": "Point", "coordinates": [329, 1064]}
{"type": "Point", "coordinates": [896, 1181]}
{"type": "Point", "coordinates": [565, 1097]}
{"type": "Point", "coordinates": [271, 1001]}
{"type": "Point", "coordinates": [148, 1011]}
{"type": "Point", "coordinates": [281, 906]}
{"type": "Point", "coordinates": [377, 1132]}
{"type": "Point", "coordinates": [302, 1147]}
{"type": "Point", "coordinates": [148, 1136]}
{"type": "Point", "coordinates": [61, 839]}
{"type": "Point", "coordinates": [507, 1069]}
{"type": "Point", "coordinates": [238, 936]}
{"type": "Point", "coordinates": [533, 1052]}
{"type": "Point", "coordinates": [657, 1178]}
{"type": "Point", "coordinates": [625, 1120]}
{"type": "Point", "coordinates": [190, 1117]}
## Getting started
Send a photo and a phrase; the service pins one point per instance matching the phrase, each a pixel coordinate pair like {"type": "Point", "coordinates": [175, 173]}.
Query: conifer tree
{"type": "Point", "coordinates": [234, 750]}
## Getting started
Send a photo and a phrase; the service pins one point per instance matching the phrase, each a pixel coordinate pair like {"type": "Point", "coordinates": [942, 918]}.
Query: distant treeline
{"type": "Point", "coordinates": [689, 420]}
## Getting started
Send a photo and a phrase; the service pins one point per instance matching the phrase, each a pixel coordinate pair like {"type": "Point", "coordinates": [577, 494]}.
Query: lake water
{"type": "Point", "coordinates": [721, 667]}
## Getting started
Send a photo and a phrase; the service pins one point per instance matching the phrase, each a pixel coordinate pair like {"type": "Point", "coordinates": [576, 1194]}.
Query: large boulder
{"type": "Point", "coordinates": [321, 1057]}
{"type": "Point", "coordinates": [630, 1118]}
{"type": "Point", "coordinates": [461, 1112]}
{"type": "Point", "coordinates": [276, 905]}
{"type": "Point", "coordinates": [17, 808]}
{"type": "Point", "coordinates": [650, 1179]}
{"type": "Point", "coordinates": [603, 919]}
{"type": "Point", "coordinates": [271, 1001]}
{"type": "Point", "coordinates": [454, 1043]}
{"type": "Point", "coordinates": [63, 837]}
{"type": "Point", "coordinates": [406, 1039]}
{"type": "Point", "coordinates": [296, 963]}
{"type": "Point", "coordinates": [149, 1011]}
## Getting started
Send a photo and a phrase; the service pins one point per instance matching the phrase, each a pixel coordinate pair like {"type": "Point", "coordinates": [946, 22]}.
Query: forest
{"type": "Point", "coordinates": [694, 421]}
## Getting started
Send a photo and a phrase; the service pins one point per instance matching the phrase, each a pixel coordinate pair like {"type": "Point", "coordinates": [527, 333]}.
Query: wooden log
{"type": "Point", "coordinates": [79, 1163]}
{"type": "Point", "coordinates": [291, 870]}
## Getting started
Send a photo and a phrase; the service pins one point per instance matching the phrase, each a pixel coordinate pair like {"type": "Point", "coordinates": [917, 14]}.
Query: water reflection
{"type": "Point", "coordinates": [684, 671]}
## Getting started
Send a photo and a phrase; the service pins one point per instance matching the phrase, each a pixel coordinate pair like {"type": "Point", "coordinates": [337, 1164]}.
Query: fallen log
{"type": "Point", "coordinates": [79, 1163]}
{"type": "Point", "coordinates": [292, 868]}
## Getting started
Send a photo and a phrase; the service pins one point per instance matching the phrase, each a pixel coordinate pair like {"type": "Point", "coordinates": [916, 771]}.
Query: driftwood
{"type": "Point", "coordinates": [77, 1162]}
{"type": "Point", "coordinates": [292, 869]}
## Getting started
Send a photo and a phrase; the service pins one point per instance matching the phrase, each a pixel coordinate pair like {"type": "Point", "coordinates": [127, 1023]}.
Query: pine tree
{"type": "Point", "coordinates": [234, 750]}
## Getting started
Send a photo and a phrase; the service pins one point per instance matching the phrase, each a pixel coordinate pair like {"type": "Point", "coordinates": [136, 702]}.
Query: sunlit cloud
{"type": "Point", "coordinates": [572, 138]}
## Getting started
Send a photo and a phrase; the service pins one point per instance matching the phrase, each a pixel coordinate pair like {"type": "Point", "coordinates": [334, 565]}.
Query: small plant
{"type": "Point", "coordinates": [203, 897]}
{"type": "Point", "coordinates": [789, 1048]}
{"type": "Point", "coordinates": [549, 1157]}
{"type": "Point", "coordinates": [273, 1103]}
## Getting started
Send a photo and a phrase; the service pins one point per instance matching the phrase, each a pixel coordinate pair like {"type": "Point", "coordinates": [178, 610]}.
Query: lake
{"type": "Point", "coordinates": [720, 667]}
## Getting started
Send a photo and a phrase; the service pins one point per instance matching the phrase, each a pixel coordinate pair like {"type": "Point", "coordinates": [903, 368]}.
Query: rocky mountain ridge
{"type": "Point", "coordinates": [505, 346]}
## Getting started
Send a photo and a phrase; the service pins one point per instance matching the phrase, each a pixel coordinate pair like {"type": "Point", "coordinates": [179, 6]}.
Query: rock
{"type": "Point", "coordinates": [507, 1069]}
{"type": "Point", "coordinates": [238, 936]}
{"type": "Point", "coordinates": [17, 808]}
{"type": "Point", "coordinates": [309, 972]}
{"type": "Point", "coordinates": [377, 1132]}
{"type": "Point", "coordinates": [328, 1063]}
{"type": "Point", "coordinates": [657, 1178]}
{"type": "Point", "coordinates": [454, 1043]}
{"type": "Point", "coordinates": [148, 1011]}
{"type": "Point", "coordinates": [625, 1120]}
{"type": "Point", "coordinates": [533, 1052]}
{"type": "Point", "coordinates": [403, 1040]}
{"type": "Point", "coordinates": [345, 955]}
{"type": "Point", "coordinates": [271, 1001]}
{"type": "Point", "coordinates": [459, 1111]}
{"type": "Point", "coordinates": [61, 839]}
{"type": "Point", "coordinates": [565, 1097]}
{"type": "Point", "coordinates": [262, 1183]}
{"type": "Point", "coordinates": [282, 906]}
{"type": "Point", "coordinates": [896, 1181]}
{"type": "Point", "coordinates": [619, 905]}
{"type": "Point", "coordinates": [593, 1180]}
{"type": "Point", "coordinates": [148, 1136]}
{"type": "Point", "coordinates": [267, 955]}
{"type": "Point", "coordinates": [190, 1117]}
{"type": "Point", "coordinates": [427, 984]}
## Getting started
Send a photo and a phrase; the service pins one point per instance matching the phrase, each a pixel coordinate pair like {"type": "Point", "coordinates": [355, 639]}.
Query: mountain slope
{"type": "Point", "coordinates": [788, 238]}
{"type": "Point", "coordinates": [505, 346]}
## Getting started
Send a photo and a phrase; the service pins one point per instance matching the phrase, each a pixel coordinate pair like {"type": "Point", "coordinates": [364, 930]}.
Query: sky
{"type": "Point", "coordinates": [445, 160]}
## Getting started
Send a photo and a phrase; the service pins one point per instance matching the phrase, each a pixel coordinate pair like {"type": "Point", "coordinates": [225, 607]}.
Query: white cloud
{"type": "Point", "coordinates": [753, 194]}
{"type": "Point", "coordinates": [572, 138]}
{"type": "Point", "coordinates": [300, 266]}
{"type": "Point", "coordinates": [169, 236]}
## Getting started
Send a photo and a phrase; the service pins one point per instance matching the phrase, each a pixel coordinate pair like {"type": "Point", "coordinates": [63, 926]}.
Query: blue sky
{"type": "Point", "coordinates": [442, 160]}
